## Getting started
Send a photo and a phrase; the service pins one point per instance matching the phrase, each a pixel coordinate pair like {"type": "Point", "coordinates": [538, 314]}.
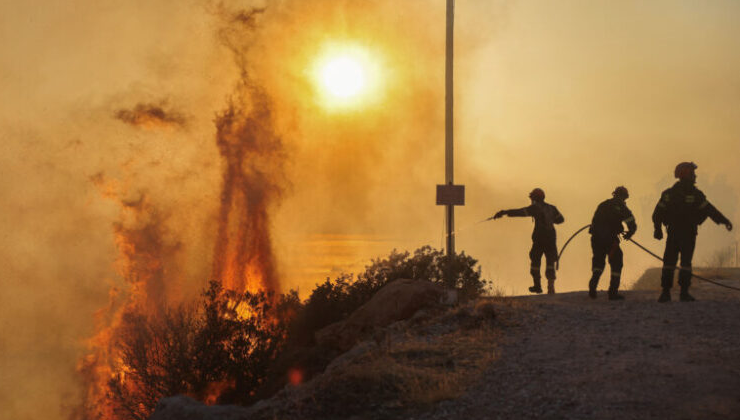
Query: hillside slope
{"type": "Point", "coordinates": [526, 357]}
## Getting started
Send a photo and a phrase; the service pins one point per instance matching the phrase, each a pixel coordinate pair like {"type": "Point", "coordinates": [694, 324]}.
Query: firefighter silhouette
{"type": "Point", "coordinates": [606, 226]}
{"type": "Point", "coordinates": [543, 237]}
{"type": "Point", "coordinates": [682, 208]}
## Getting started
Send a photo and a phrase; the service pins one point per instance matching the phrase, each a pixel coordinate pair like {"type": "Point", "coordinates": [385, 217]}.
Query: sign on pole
{"type": "Point", "coordinates": [450, 195]}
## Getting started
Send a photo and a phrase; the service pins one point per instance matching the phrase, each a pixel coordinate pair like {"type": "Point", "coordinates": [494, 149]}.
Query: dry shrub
{"type": "Point", "coordinates": [239, 347]}
{"type": "Point", "coordinates": [336, 299]}
{"type": "Point", "coordinates": [723, 257]}
{"type": "Point", "coordinates": [485, 309]}
{"type": "Point", "coordinates": [220, 350]}
{"type": "Point", "coordinates": [414, 368]}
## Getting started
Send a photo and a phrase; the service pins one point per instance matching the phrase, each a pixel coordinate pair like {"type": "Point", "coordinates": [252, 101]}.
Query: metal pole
{"type": "Point", "coordinates": [448, 124]}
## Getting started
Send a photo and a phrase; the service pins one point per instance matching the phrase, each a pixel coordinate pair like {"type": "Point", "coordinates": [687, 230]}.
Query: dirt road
{"type": "Point", "coordinates": [569, 357]}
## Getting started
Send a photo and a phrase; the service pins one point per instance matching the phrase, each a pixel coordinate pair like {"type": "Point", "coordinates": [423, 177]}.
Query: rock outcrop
{"type": "Point", "coordinates": [396, 301]}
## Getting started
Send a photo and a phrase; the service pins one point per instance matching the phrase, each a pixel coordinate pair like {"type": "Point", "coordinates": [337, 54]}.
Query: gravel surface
{"type": "Point", "coordinates": [570, 357]}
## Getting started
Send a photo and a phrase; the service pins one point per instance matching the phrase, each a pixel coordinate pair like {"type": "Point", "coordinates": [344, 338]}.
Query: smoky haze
{"type": "Point", "coordinates": [575, 97]}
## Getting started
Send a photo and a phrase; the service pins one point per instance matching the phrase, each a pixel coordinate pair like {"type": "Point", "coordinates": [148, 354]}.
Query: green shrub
{"type": "Point", "coordinates": [334, 300]}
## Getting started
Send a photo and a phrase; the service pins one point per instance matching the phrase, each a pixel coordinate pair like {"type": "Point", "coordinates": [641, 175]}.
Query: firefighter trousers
{"type": "Point", "coordinates": [683, 244]}
{"type": "Point", "coordinates": [603, 249]}
{"type": "Point", "coordinates": [548, 247]}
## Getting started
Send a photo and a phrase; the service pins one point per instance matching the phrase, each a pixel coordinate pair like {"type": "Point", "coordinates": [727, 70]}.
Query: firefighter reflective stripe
{"type": "Point", "coordinates": [616, 273]}
{"type": "Point", "coordinates": [704, 204]}
{"type": "Point", "coordinates": [550, 266]}
{"type": "Point", "coordinates": [690, 198]}
{"type": "Point", "coordinates": [597, 270]}
{"type": "Point", "coordinates": [629, 219]}
{"type": "Point", "coordinates": [534, 268]}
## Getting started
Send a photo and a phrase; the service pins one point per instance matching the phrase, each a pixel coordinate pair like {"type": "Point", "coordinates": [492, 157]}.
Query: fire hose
{"type": "Point", "coordinates": [557, 263]}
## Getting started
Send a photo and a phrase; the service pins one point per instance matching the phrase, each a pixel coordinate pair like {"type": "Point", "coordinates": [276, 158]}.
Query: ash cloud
{"type": "Point", "coordinates": [151, 116]}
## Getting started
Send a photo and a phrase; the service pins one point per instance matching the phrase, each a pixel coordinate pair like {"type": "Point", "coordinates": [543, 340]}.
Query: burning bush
{"type": "Point", "coordinates": [218, 350]}
{"type": "Point", "coordinates": [233, 347]}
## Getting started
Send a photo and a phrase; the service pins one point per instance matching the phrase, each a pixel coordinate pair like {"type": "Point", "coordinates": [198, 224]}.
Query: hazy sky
{"type": "Point", "coordinates": [575, 97]}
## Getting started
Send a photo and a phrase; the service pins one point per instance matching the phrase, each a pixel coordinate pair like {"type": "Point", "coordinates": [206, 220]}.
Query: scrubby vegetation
{"type": "Point", "coordinates": [221, 348]}
{"type": "Point", "coordinates": [239, 347]}
{"type": "Point", "coordinates": [726, 256]}
{"type": "Point", "coordinates": [336, 299]}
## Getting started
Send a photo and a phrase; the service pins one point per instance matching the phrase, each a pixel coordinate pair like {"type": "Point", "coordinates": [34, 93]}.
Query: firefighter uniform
{"type": "Point", "coordinates": [543, 240]}
{"type": "Point", "coordinates": [606, 226]}
{"type": "Point", "coordinates": [682, 208]}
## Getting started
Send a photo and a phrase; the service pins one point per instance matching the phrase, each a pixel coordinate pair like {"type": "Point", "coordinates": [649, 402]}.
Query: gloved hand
{"type": "Point", "coordinates": [500, 214]}
{"type": "Point", "coordinates": [627, 236]}
{"type": "Point", "coordinates": [658, 234]}
{"type": "Point", "coordinates": [728, 225]}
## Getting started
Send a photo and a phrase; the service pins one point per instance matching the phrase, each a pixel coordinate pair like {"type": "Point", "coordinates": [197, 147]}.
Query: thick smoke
{"type": "Point", "coordinates": [242, 254]}
{"type": "Point", "coordinates": [147, 115]}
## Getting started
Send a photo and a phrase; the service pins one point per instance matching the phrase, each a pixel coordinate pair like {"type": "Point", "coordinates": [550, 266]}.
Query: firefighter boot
{"type": "Point", "coordinates": [684, 280]}
{"type": "Point", "coordinates": [685, 296]}
{"type": "Point", "coordinates": [614, 287]}
{"type": "Point", "coordinates": [593, 283]}
{"type": "Point", "coordinates": [665, 296]}
{"type": "Point", "coordinates": [613, 295]}
{"type": "Point", "coordinates": [537, 288]}
{"type": "Point", "coordinates": [550, 286]}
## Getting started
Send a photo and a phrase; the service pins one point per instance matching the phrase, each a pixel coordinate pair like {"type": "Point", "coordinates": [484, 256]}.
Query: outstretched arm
{"type": "Point", "coordinates": [714, 214]}
{"type": "Point", "coordinates": [523, 212]}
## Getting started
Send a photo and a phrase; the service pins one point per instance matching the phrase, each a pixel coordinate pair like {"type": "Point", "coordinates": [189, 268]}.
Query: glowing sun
{"type": "Point", "coordinates": [346, 76]}
{"type": "Point", "coordinates": [343, 77]}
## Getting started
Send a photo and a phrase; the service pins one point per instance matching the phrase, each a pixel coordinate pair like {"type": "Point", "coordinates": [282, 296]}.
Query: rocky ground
{"type": "Point", "coordinates": [561, 356]}
{"type": "Point", "coordinates": [575, 358]}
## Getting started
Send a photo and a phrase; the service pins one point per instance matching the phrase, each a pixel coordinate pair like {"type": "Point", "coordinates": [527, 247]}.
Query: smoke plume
{"type": "Point", "coordinates": [147, 115]}
{"type": "Point", "coordinates": [252, 160]}
{"type": "Point", "coordinates": [243, 256]}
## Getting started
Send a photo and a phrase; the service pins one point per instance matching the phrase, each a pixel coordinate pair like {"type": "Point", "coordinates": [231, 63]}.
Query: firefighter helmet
{"type": "Point", "coordinates": [685, 170]}
{"type": "Point", "coordinates": [537, 194]}
{"type": "Point", "coordinates": [621, 193]}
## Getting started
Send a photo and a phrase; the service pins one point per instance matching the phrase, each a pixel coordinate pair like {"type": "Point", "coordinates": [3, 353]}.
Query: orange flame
{"type": "Point", "coordinates": [243, 256]}
{"type": "Point", "coordinates": [216, 389]}
{"type": "Point", "coordinates": [142, 250]}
